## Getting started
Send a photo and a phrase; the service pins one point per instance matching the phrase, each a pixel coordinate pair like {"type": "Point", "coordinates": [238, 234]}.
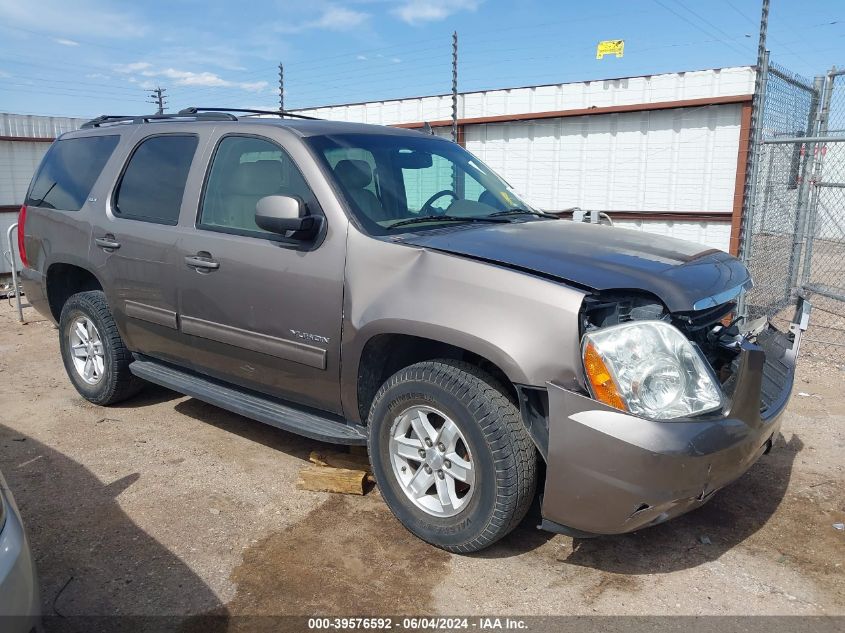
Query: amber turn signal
{"type": "Point", "coordinates": [601, 381]}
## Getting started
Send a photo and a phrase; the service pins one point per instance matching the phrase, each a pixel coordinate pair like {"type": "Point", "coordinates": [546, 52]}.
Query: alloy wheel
{"type": "Point", "coordinates": [87, 352]}
{"type": "Point", "coordinates": [432, 461]}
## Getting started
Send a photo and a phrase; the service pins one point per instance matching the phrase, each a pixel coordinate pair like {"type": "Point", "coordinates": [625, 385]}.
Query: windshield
{"type": "Point", "coordinates": [422, 181]}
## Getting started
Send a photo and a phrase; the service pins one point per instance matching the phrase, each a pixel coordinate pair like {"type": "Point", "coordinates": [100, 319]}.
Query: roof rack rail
{"type": "Point", "coordinates": [279, 113]}
{"type": "Point", "coordinates": [106, 119]}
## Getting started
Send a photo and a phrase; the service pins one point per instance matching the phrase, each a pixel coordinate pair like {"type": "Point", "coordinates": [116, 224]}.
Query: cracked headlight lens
{"type": "Point", "coordinates": [650, 369]}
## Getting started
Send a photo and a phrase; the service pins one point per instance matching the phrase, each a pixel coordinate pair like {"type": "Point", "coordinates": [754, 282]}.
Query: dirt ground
{"type": "Point", "coordinates": [167, 505]}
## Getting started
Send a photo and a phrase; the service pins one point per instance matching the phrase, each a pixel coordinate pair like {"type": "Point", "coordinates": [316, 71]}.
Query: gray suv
{"type": "Point", "coordinates": [369, 285]}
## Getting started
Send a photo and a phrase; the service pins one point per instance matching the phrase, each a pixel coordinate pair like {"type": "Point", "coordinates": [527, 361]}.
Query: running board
{"type": "Point", "coordinates": [307, 422]}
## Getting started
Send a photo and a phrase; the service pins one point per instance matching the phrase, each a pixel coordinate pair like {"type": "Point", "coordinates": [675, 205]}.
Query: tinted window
{"type": "Point", "coordinates": [245, 170]}
{"type": "Point", "coordinates": [154, 181]}
{"type": "Point", "coordinates": [68, 172]}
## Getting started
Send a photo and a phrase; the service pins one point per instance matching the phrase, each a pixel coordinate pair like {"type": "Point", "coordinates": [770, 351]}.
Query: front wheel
{"type": "Point", "coordinates": [450, 455]}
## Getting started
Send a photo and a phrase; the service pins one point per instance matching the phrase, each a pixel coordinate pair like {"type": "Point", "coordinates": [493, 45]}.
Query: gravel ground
{"type": "Point", "coordinates": [166, 505]}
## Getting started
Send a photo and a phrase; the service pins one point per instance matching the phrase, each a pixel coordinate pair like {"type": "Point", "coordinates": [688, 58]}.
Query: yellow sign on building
{"type": "Point", "coordinates": [610, 47]}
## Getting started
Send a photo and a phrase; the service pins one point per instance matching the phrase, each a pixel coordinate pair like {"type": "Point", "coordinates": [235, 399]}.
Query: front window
{"type": "Point", "coordinates": [388, 179]}
{"type": "Point", "coordinates": [244, 170]}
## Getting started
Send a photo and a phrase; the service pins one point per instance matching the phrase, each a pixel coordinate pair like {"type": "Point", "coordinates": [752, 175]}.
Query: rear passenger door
{"type": "Point", "coordinates": [257, 310]}
{"type": "Point", "coordinates": [134, 242]}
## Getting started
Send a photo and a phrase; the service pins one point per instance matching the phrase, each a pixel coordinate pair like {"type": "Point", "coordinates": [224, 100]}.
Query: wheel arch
{"type": "Point", "coordinates": [63, 280]}
{"type": "Point", "coordinates": [386, 352]}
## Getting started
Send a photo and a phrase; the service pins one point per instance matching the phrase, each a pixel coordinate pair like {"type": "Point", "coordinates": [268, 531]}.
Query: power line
{"type": "Point", "coordinates": [339, 71]}
{"type": "Point", "coordinates": [698, 26]}
{"type": "Point", "coordinates": [102, 88]}
{"type": "Point", "coordinates": [324, 80]}
{"type": "Point", "coordinates": [79, 94]}
{"type": "Point", "coordinates": [776, 41]}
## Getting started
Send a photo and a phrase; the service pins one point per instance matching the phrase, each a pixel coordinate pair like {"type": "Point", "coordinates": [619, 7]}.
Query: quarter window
{"type": "Point", "coordinates": [246, 169]}
{"type": "Point", "coordinates": [153, 184]}
{"type": "Point", "coordinates": [68, 172]}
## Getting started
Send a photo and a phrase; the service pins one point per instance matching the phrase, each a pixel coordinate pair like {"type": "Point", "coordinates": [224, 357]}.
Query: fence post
{"type": "Point", "coordinates": [455, 87]}
{"type": "Point", "coordinates": [816, 176]}
{"type": "Point", "coordinates": [804, 189]}
{"type": "Point", "coordinates": [752, 167]}
{"type": "Point", "coordinates": [14, 265]}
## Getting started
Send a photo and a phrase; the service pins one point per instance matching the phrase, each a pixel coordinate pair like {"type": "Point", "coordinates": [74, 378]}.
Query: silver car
{"type": "Point", "coordinates": [20, 598]}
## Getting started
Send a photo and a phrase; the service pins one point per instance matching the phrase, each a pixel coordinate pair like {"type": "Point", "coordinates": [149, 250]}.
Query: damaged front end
{"type": "Point", "coordinates": [614, 468]}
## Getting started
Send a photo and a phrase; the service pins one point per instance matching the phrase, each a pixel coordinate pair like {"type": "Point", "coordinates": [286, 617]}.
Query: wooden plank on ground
{"type": "Point", "coordinates": [334, 459]}
{"type": "Point", "coordinates": [327, 479]}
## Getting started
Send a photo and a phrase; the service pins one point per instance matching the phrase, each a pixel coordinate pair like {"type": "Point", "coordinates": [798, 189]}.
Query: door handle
{"type": "Point", "coordinates": [107, 242]}
{"type": "Point", "coordinates": [202, 262]}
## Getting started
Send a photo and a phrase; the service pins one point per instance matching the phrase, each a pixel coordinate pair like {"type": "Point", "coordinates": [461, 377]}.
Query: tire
{"type": "Point", "coordinates": [110, 380]}
{"type": "Point", "coordinates": [494, 442]}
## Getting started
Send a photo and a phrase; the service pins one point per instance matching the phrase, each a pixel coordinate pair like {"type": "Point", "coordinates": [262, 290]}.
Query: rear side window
{"type": "Point", "coordinates": [153, 182]}
{"type": "Point", "coordinates": [68, 172]}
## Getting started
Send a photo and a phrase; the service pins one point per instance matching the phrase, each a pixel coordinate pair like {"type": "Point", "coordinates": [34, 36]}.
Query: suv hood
{"type": "Point", "coordinates": [684, 275]}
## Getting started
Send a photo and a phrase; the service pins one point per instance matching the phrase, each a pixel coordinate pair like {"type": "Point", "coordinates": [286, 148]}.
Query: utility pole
{"type": "Point", "coordinates": [281, 87]}
{"type": "Point", "coordinates": [756, 136]}
{"type": "Point", "coordinates": [158, 98]}
{"type": "Point", "coordinates": [455, 86]}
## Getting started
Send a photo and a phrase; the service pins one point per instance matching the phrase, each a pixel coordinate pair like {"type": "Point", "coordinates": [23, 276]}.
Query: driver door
{"type": "Point", "coordinates": [259, 311]}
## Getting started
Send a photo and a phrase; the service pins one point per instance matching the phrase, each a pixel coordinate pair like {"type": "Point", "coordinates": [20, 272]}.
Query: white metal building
{"type": "Point", "coordinates": [662, 153]}
{"type": "Point", "coordinates": [23, 141]}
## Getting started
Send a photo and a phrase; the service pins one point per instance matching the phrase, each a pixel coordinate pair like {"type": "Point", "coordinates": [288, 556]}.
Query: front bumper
{"type": "Point", "coordinates": [609, 472]}
{"type": "Point", "coordinates": [20, 600]}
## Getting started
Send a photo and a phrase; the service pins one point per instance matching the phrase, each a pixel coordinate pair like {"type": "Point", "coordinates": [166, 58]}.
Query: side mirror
{"type": "Point", "coordinates": [285, 215]}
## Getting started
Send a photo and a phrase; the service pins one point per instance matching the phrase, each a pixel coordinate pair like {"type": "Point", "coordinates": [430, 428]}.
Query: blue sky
{"type": "Point", "coordinates": [87, 57]}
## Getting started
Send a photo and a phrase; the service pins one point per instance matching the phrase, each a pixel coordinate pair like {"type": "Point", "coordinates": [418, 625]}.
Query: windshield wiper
{"type": "Point", "coordinates": [446, 218]}
{"type": "Point", "coordinates": [518, 211]}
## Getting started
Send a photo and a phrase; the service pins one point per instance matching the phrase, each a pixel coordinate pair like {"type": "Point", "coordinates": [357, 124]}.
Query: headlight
{"type": "Point", "coordinates": [650, 369]}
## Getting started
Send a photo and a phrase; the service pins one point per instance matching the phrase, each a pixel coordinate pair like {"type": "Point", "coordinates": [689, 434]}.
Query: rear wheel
{"type": "Point", "coordinates": [95, 358]}
{"type": "Point", "coordinates": [451, 456]}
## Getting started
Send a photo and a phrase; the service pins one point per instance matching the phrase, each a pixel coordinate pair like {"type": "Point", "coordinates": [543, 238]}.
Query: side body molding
{"type": "Point", "coordinates": [293, 351]}
{"type": "Point", "coordinates": [151, 314]}
{"type": "Point", "coordinates": [256, 342]}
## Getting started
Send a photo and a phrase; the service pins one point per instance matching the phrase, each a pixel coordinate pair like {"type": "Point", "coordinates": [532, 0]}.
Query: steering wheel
{"type": "Point", "coordinates": [427, 209]}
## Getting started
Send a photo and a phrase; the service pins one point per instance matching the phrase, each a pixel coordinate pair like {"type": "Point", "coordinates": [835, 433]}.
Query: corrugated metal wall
{"type": "Point", "coordinates": [680, 160]}
{"type": "Point", "coordinates": [666, 161]}
{"type": "Point", "coordinates": [713, 234]}
{"type": "Point", "coordinates": [31, 125]}
{"type": "Point", "coordinates": [19, 159]}
{"type": "Point", "coordinates": [7, 219]}
{"type": "Point", "coordinates": [583, 94]}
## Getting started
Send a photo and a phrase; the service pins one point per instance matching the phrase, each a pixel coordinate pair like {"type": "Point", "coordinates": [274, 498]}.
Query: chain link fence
{"type": "Point", "coordinates": [796, 223]}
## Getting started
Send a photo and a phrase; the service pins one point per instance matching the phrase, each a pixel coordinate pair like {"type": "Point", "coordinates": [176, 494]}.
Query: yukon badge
{"type": "Point", "coordinates": [307, 336]}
